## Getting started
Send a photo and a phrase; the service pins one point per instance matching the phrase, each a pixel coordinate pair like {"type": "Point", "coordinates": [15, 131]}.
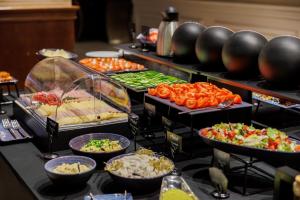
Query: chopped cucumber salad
{"type": "Point", "coordinates": [145, 79]}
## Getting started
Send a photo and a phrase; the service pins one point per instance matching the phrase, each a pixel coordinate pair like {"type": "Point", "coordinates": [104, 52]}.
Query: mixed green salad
{"type": "Point", "coordinates": [103, 145]}
{"type": "Point", "coordinates": [145, 79]}
{"type": "Point", "coordinates": [241, 134]}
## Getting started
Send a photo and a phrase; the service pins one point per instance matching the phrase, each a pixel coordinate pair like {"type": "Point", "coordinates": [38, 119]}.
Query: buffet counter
{"type": "Point", "coordinates": [27, 165]}
{"type": "Point", "coordinates": [28, 179]}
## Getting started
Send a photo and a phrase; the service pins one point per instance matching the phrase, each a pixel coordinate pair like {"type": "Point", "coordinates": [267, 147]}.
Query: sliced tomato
{"type": "Point", "coordinates": [178, 90]}
{"type": "Point", "coordinates": [202, 102]}
{"type": "Point", "coordinates": [180, 100]}
{"type": "Point", "coordinates": [185, 86]}
{"type": "Point", "coordinates": [173, 96]}
{"type": "Point", "coordinates": [152, 91]}
{"type": "Point", "coordinates": [231, 134]}
{"type": "Point", "coordinates": [297, 147]}
{"type": "Point", "coordinates": [288, 140]}
{"type": "Point", "coordinates": [191, 103]}
{"type": "Point", "coordinates": [204, 132]}
{"type": "Point", "coordinates": [213, 101]}
{"type": "Point", "coordinates": [40, 97]}
{"type": "Point", "coordinates": [221, 98]}
{"type": "Point", "coordinates": [53, 100]}
{"type": "Point", "coordinates": [272, 145]}
{"type": "Point", "coordinates": [237, 99]}
{"type": "Point", "coordinates": [205, 94]}
{"type": "Point", "coordinates": [163, 92]}
{"type": "Point", "coordinates": [192, 95]}
{"type": "Point", "coordinates": [249, 133]}
{"type": "Point", "coordinates": [193, 90]}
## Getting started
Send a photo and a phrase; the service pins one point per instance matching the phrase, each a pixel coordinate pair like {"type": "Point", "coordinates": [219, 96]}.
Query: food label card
{"type": "Point", "coordinates": [175, 142]}
{"type": "Point", "coordinates": [150, 108]}
{"type": "Point", "coordinates": [52, 127]}
{"type": "Point", "coordinates": [134, 123]}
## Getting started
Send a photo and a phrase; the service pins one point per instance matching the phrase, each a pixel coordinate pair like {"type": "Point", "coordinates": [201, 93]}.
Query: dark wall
{"type": "Point", "coordinates": [91, 20]}
{"type": "Point", "coordinates": [105, 20]}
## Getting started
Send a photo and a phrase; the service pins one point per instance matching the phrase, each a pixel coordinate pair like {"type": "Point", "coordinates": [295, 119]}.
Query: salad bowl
{"type": "Point", "coordinates": [252, 151]}
{"type": "Point", "coordinates": [76, 143]}
{"type": "Point", "coordinates": [138, 184]}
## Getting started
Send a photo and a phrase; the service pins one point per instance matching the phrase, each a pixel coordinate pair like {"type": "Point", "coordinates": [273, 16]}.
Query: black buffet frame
{"type": "Point", "coordinates": [195, 72]}
{"type": "Point", "coordinates": [38, 126]}
{"type": "Point", "coordinates": [172, 114]}
{"type": "Point", "coordinates": [244, 87]}
{"type": "Point", "coordinates": [7, 84]}
{"type": "Point", "coordinates": [241, 86]}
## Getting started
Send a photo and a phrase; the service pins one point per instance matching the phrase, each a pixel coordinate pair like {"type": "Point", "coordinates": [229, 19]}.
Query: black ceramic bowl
{"type": "Point", "coordinates": [70, 179]}
{"type": "Point", "coordinates": [137, 184]}
{"type": "Point", "coordinates": [41, 56]}
{"type": "Point", "coordinates": [76, 143]}
{"type": "Point", "coordinates": [279, 61]}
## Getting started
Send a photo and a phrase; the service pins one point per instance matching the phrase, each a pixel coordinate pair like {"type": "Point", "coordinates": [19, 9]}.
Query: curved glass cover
{"type": "Point", "coordinates": [60, 89]}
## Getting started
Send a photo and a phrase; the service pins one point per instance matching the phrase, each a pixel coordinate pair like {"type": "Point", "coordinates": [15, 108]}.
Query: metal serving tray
{"type": "Point", "coordinates": [274, 103]}
{"type": "Point", "coordinates": [186, 110]}
{"type": "Point", "coordinates": [109, 72]}
{"type": "Point", "coordinates": [12, 81]}
{"type": "Point", "coordinates": [66, 132]}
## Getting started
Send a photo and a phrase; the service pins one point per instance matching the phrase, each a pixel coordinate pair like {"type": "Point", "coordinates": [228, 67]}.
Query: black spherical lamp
{"type": "Point", "coordinates": [183, 41]}
{"type": "Point", "coordinates": [240, 53]}
{"type": "Point", "coordinates": [209, 47]}
{"type": "Point", "coordinates": [279, 61]}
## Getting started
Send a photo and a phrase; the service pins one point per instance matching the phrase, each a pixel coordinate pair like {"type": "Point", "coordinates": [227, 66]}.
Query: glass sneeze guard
{"type": "Point", "coordinates": [59, 89]}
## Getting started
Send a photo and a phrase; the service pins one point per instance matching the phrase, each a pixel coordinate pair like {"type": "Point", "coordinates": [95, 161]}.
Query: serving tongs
{"type": "Point", "coordinates": [223, 105]}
